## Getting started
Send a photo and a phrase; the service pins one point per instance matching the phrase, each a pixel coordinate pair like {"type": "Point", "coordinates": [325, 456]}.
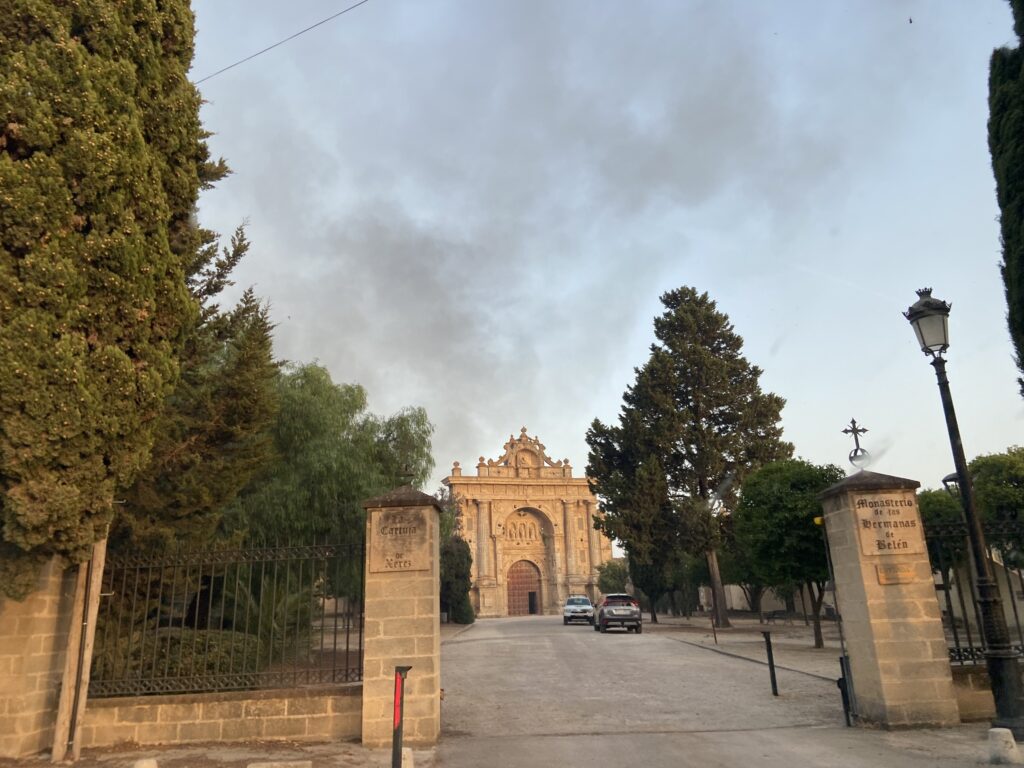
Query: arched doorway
{"type": "Point", "coordinates": [523, 589]}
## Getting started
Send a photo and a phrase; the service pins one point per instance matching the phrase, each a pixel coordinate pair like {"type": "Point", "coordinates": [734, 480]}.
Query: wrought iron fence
{"type": "Point", "coordinates": [954, 573]}
{"type": "Point", "coordinates": [229, 619]}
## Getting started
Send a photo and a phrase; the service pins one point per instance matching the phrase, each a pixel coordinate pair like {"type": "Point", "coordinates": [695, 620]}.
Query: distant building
{"type": "Point", "coordinates": [530, 525]}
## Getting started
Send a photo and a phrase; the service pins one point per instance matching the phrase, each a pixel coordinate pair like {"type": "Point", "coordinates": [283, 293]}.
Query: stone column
{"type": "Point", "coordinates": [483, 528]}
{"type": "Point", "coordinates": [498, 590]}
{"type": "Point", "coordinates": [481, 537]}
{"type": "Point", "coordinates": [899, 660]}
{"type": "Point", "coordinates": [402, 616]}
{"type": "Point", "coordinates": [593, 546]}
{"type": "Point", "coordinates": [558, 589]}
{"type": "Point", "coordinates": [571, 565]}
{"type": "Point", "coordinates": [492, 545]}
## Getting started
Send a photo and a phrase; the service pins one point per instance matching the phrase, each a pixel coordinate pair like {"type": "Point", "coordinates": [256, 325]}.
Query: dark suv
{"type": "Point", "coordinates": [618, 610]}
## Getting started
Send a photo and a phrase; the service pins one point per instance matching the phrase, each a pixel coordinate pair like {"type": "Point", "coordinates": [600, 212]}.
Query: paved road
{"type": "Point", "coordinates": [531, 692]}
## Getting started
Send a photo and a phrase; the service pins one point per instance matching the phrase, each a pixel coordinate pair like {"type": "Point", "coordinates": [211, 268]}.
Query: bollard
{"type": "Point", "coordinates": [771, 662]}
{"type": "Point", "coordinates": [396, 738]}
{"type": "Point", "coordinates": [714, 631]}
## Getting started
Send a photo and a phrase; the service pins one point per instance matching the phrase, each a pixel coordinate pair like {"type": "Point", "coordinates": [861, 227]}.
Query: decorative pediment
{"type": "Point", "coordinates": [525, 451]}
{"type": "Point", "coordinates": [525, 456]}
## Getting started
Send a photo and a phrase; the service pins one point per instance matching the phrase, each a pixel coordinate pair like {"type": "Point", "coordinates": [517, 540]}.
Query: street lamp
{"type": "Point", "coordinates": [930, 318]}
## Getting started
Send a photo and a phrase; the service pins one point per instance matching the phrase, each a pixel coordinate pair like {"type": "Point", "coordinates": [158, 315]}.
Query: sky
{"type": "Point", "coordinates": [474, 207]}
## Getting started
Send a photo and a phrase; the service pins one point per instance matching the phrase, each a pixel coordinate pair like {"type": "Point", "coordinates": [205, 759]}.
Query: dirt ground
{"type": "Point", "coordinates": [326, 755]}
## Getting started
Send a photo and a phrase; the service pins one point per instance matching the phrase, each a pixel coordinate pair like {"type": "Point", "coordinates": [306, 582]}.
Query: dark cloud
{"type": "Point", "coordinates": [474, 206]}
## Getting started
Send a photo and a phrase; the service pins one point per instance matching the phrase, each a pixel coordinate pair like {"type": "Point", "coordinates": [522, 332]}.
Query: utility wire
{"type": "Point", "coordinates": [282, 42]}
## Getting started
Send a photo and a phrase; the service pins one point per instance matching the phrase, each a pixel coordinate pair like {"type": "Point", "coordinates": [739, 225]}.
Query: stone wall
{"type": "Point", "coordinates": [304, 714]}
{"type": "Point", "coordinates": [973, 693]}
{"type": "Point", "coordinates": [33, 638]}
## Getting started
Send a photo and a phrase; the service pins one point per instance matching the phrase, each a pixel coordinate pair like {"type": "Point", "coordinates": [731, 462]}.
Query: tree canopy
{"type": "Point", "coordinates": [331, 455]}
{"type": "Point", "coordinates": [213, 434]}
{"type": "Point", "coordinates": [1006, 144]}
{"type": "Point", "coordinates": [999, 484]}
{"type": "Point", "coordinates": [612, 576]}
{"type": "Point", "coordinates": [774, 524]}
{"type": "Point", "coordinates": [692, 426]}
{"type": "Point", "coordinates": [101, 161]}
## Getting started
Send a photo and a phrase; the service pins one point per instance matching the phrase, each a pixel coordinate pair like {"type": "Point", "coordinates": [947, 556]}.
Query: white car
{"type": "Point", "coordinates": [578, 608]}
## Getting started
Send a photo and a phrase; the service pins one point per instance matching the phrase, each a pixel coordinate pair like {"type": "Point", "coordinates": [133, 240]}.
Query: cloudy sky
{"type": "Point", "coordinates": [474, 206]}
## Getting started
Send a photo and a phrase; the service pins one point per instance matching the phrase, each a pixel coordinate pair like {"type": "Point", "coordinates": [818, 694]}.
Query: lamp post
{"type": "Point", "coordinates": [930, 318]}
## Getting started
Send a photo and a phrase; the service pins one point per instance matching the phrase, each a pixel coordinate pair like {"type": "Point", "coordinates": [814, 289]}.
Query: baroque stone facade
{"type": "Point", "coordinates": [529, 523]}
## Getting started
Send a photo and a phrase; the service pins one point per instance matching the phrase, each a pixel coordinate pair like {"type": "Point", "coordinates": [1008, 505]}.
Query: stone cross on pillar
{"type": "Point", "coordinates": [402, 616]}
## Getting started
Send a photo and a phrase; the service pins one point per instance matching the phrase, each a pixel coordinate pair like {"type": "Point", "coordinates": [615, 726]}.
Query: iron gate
{"type": "Point", "coordinates": [229, 619]}
{"type": "Point", "coordinates": [954, 572]}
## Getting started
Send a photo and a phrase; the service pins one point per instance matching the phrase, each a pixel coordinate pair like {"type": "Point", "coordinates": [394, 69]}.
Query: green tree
{"type": "Point", "coordinates": [612, 576]}
{"type": "Point", "coordinates": [775, 524]}
{"type": "Point", "coordinates": [942, 518]}
{"type": "Point", "coordinates": [698, 409]}
{"type": "Point", "coordinates": [102, 157]}
{"type": "Point", "coordinates": [737, 565]}
{"type": "Point", "coordinates": [451, 515]}
{"type": "Point", "coordinates": [331, 455]}
{"type": "Point", "coordinates": [456, 562]}
{"type": "Point", "coordinates": [214, 432]}
{"type": "Point", "coordinates": [637, 510]}
{"type": "Point", "coordinates": [999, 484]}
{"type": "Point", "coordinates": [1006, 144]}
{"type": "Point", "coordinates": [686, 575]}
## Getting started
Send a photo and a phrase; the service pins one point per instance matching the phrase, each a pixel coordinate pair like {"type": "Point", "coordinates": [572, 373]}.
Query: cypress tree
{"type": "Point", "coordinates": [698, 409]}
{"type": "Point", "coordinates": [101, 161]}
{"type": "Point", "coordinates": [213, 436]}
{"type": "Point", "coordinates": [1006, 143]}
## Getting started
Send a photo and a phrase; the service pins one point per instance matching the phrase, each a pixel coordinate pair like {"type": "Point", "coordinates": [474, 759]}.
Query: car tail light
{"type": "Point", "coordinates": [634, 603]}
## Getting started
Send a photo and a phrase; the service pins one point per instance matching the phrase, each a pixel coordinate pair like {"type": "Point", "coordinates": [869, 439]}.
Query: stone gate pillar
{"type": "Point", "coordinates": [885, 593]}
{"type": "Point", "coordinates": [402, 616]}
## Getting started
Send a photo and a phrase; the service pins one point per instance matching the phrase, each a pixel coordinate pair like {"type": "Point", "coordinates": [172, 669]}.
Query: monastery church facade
{"type": "Point", "coordinates": [529, 524]}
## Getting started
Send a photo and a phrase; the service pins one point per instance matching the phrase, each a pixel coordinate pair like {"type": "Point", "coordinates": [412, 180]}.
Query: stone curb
{"type": "Point", "coordinates": [453, 635]}
{"type": "Point", "coordinates": [282, 764]}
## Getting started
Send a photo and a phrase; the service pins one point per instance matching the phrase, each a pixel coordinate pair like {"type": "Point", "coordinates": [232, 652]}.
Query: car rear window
{"type": "Point", "coordinates": [619, 600]}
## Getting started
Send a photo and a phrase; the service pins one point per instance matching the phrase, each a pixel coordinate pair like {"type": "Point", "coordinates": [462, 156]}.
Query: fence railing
{"type": "Point", "coordinates": [954, 576]}
{"type": "Point", "coordinates": [229, 619]}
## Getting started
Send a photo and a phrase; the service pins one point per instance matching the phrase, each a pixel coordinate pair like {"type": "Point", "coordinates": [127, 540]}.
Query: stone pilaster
{"type": "Point", "coordinates": [33, 636]}
{"type": "Point", "coordinates": [571, 564]}
{"type": "Point", "coordinates": [483, 540]}
{"type": "Point", "coordinates": [899, 660]}
{"type": "Point", "coordinates": [402, 616]}
{"type": "Point", "coordinates": [593, 545]}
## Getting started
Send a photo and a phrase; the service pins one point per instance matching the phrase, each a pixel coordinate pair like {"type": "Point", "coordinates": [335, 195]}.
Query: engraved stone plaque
{"type": "Point", "coordinates": [895, 573]}
{"type": "Point", "coordinates": [888, 525]}
{"type": "Point", "coordinates": [399, 541]}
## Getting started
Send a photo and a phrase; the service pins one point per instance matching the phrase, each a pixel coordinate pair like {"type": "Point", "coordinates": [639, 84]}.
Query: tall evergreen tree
{"type": "Point", "coordinates": [101, 161]}
{"type": "Point", "coordinates": [213, 436]}
{"type": "Point", "coordinates": [696, 407]}
{"type": "Point", "coordinates": [1006, 143]}
{"type": "Point", "coordinates": [636, 506]}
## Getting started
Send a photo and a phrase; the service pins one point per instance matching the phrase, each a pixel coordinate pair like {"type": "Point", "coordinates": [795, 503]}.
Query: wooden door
{"type": "Point", "coordinates": [523, 579]}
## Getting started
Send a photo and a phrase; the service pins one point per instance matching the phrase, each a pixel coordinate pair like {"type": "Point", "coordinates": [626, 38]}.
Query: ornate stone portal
{"type": "Point", "coordinates": [530, 526]}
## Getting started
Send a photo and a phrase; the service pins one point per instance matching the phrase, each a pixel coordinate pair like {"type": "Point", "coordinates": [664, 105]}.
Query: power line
{"type": "Point", "coordinates": [282, 42]}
